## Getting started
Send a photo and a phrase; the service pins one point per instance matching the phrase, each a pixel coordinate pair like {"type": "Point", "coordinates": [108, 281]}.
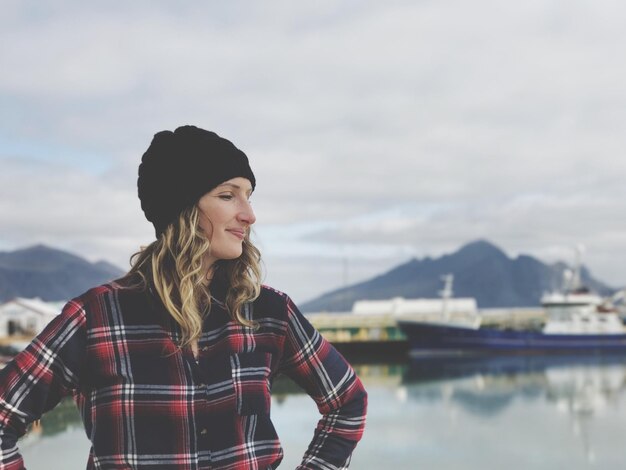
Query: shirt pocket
{"type": "Point", "coordinates": [250, 375]}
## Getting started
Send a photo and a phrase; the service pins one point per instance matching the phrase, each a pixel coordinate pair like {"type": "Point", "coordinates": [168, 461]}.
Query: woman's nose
{"type": "Point", "coordinates": [246, 215]}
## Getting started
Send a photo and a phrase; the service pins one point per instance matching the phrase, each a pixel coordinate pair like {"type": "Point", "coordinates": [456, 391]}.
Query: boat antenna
{"type": "Point", "coordinates": [446, 294]}
{"type": "Point", "coordinates": [576, 281]}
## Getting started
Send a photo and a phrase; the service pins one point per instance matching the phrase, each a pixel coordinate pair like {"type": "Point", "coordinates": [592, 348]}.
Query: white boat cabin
{"type": "Point", "coordinates": [584, 319]}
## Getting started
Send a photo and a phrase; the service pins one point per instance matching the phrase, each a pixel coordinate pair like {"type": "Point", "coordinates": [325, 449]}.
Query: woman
{"type": "Point", "coordinates": [171, 366]}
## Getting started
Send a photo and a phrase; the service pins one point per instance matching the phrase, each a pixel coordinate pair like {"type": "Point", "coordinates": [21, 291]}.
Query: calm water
{"type": "Point", "coordinates": [513, 413]}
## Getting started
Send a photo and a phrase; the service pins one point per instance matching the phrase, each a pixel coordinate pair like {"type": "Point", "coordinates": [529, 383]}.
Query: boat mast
{"type": "Point", "coordinates": [576, 280]}
{"type": "Point", "coordinates": [446, 295]}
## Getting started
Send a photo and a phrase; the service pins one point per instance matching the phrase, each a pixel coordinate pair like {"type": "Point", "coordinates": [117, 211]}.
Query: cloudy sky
{"type": "Point", "coordinates": [378, 131]}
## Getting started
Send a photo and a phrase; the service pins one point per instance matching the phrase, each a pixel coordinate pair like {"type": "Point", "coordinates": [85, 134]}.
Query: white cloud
{"type": "Point", "coordinates": [411, 126]}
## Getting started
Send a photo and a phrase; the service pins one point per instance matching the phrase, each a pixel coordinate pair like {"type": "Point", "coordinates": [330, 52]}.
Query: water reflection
{"type": "Point", "coordinates": [485, 385]}
{"type": "Point", "coordinates": [482, 385]}
{"type": "Point", "coordinates": [520, 412]}
{"type": "Point", "coordinates": [581, 387]}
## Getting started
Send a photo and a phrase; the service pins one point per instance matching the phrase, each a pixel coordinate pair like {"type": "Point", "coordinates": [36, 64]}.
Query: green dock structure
{"type": "Point", "coordinates": [351, 327]}
{"type": "Point", "coordinates": [362, 336]}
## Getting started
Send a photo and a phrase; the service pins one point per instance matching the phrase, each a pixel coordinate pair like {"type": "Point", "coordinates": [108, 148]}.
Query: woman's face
{"type": "Point", "coordinates": [226, 216]}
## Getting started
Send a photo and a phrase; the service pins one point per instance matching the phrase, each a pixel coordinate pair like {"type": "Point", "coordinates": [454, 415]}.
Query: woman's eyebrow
{"type": "Point", "coordinates": [236, 186]}
{"type": "Point", "coordinates": [230, 184]}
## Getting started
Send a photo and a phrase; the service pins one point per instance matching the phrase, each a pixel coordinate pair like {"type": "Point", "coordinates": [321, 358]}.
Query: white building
{"type": "Point", "coordinates": [26, 317]}
{"type": "Point", "coordinates": [400, 306]}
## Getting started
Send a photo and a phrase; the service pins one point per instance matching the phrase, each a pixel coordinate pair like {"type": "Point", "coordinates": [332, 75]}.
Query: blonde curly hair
{"type": "Point", "coordinates": [173, 266]}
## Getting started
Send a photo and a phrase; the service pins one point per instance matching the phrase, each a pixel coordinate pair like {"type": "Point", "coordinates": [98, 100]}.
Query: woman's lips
{"type": "Point", "coordinates": [239, 233]}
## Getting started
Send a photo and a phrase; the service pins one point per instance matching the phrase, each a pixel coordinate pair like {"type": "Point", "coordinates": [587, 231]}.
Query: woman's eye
{"type": "Point", "coordinates": [226, 197]}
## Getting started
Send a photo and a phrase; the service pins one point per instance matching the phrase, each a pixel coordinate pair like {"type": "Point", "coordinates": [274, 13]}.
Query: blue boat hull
{"type": "Point", "coordinates": [438, 340]}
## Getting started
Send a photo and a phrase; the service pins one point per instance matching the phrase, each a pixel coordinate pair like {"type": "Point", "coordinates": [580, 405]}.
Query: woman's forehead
{"type": "Point", "coordinates": [236, 183]}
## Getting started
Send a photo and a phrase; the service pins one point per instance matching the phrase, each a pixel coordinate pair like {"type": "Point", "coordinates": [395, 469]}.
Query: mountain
{"type": "Point", "coordinates": [50, 274]}
{"type": "Point", "coordinates": [481, 270]}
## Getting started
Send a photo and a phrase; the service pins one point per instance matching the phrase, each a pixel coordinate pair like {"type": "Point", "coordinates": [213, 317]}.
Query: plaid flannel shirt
{"type": "Point", "coordinates": [146, 404]}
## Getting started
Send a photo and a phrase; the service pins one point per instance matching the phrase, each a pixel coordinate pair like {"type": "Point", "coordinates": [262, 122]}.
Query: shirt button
{"type": "Point", "coordinates": [204, 431]}
{"type": "Point", "coordinates": [205, 349]}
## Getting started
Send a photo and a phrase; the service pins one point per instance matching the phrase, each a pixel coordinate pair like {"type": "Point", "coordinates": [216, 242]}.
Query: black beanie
{"type": "Point", "coordinates": [180, 167]}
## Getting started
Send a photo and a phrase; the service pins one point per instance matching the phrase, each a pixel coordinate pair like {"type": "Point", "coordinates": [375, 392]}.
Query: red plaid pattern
{"type": "Point", "coordinates": [147, 405]}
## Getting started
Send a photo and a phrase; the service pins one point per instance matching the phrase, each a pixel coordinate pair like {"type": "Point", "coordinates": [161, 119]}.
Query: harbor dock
{"type": "Point", "coordinates": [376, 334]}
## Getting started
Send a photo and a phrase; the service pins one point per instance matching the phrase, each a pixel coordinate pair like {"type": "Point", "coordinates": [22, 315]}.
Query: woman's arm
{"type": "Point", "coordinates": [38, 377]}
{"type": "Point", "coordinates": [315, 365]}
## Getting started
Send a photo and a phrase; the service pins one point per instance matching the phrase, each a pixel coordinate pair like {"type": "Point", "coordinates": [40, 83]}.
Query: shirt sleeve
{"type": "Point", "coordinates": [38, 378]}
{"type": "Point", "coordinates": [315, 365]}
